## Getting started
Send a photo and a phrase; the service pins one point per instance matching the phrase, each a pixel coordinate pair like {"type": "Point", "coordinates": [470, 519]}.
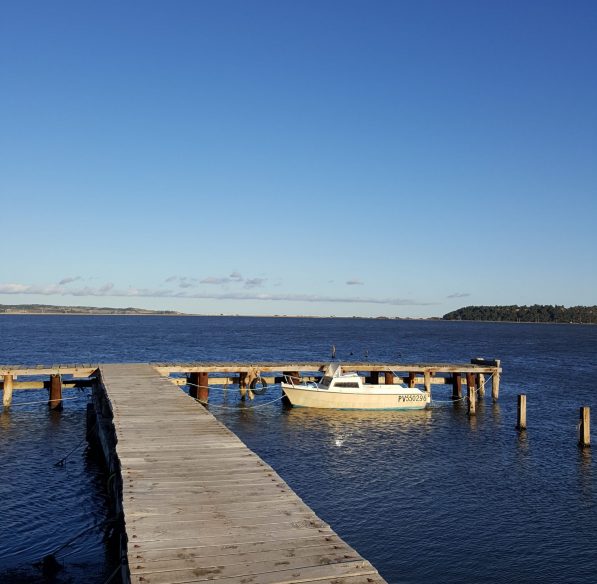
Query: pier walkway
{"type": "Point", "coordinates": [198, 505]}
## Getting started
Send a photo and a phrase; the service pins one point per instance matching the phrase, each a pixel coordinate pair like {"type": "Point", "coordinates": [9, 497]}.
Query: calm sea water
{"type": "Point", "coordinates": [431, 496]}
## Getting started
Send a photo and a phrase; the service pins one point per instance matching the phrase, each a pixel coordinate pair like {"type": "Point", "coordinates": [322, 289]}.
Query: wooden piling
{"type": "Point", "coordinates": [55, 401]}
{"type": "Point", "coordinates": [374, 377]}
{"type": "Point", "coordinates": [8, 385]}
{"type": "Point", "coordinates": [522, 412]}
{"type": "Point", "coordinates": [457, 386]}
{"type": "Point", "coordinates": [481, 384]}
{"type": "Point", "coordinates": [242, 384]}
{"type": "Point", "coordinates": [388, 378]}
{"type": "Point", "coordinates": [193, 380]}
{"type": "Point", "coordinates": [411, 378]}
{"type": "Point", "coordinates": [427, 381]}
{"type": "Point", "coordinates": [472, 400]}
{"type": "Point", "coordinates": [495, 381]}
{"type": "Point", "coordinates": [471, 381]}
{"type": "Point", "coordinates": [584, 431]}
{"type": "Point", "coordinates": [203, 389]}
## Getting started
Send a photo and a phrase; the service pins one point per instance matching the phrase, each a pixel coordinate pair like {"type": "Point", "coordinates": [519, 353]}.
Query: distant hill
{"type": "Point", "coordinates": [52, 309]}
{"type": "Point", "coordinates": [535, 313]}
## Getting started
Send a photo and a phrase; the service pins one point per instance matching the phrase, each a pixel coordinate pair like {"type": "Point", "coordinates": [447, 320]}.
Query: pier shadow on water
{"type": "Point", "coordinates": [56, 525]}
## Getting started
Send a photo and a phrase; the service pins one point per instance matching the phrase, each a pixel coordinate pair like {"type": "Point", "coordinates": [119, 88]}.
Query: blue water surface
{"type": "Point", "coordinates": [427, 496]}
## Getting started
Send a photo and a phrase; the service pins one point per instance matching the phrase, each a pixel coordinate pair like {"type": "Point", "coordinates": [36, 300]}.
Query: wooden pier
{"type": "Point", "coordinates": [200, 376]}
{"type": "Point", "coordinates": [196, 503]}
{"type": "Point", "coordinates": [199, 505]}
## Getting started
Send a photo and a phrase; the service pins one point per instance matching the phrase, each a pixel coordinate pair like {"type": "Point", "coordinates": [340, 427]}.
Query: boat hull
{"type": "Point", "coordinates": [306, 397]}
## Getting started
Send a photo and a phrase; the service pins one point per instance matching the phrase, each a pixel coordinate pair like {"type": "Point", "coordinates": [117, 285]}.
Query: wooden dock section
{"type": "Point", "coordinates": [198, 505]}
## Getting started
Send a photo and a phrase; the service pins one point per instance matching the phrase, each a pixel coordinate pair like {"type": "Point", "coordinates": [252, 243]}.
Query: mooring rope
{"type": "Point", "coordinates": [63, 459]}
{"type": "Point", "coordinates": [113, 574]}
{"type": "Point", "coordinates": [448, 401]}
{"type": "Point", "coordinates": [43, 401]}
{"type": "Point", "coordinates": [236, 408]}
{"type": "Point", "coordinates": [208, 387]}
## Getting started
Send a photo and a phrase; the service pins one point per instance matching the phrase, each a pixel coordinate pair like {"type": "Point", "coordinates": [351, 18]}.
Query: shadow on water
{"type": "Point", "coordinates": [57, 529]}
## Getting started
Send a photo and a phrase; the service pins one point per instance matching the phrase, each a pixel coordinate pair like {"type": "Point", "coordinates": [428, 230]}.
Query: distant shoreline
{"type": "Point", "coordinates": [185, 314]}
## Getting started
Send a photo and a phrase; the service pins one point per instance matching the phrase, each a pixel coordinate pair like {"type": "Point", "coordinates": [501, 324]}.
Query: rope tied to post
{"type": "Point", "coordinates": [253, 407]}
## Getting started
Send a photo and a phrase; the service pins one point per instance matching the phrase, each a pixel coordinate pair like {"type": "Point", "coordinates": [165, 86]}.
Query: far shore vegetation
{"type": "Point", "coordinates": [52, 309]}
{"type": "Point", "coordinates": [535, 313]}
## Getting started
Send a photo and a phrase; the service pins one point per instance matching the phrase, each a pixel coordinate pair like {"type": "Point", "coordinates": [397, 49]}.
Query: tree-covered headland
{"type": "Point", "coordinates": [535, 313]}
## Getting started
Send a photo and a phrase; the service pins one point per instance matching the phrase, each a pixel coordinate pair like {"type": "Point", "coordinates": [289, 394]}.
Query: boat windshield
{"type": "Point", "coordinates": [325, 381]}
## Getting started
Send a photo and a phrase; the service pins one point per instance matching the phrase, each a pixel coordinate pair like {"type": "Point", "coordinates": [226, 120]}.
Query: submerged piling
{"type": "Point", "coordinates": [521, 423]}
{"type": "Point", "coordinates": [8, 385]}
{"type": "Point", "coordinates": [584, 430]}
{"type": "Point", "coordinates": [55, 401]}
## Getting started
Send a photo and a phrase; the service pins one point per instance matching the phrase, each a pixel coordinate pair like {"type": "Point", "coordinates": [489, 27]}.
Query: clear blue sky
{"type": "Point", "coordinates": [320, 157]}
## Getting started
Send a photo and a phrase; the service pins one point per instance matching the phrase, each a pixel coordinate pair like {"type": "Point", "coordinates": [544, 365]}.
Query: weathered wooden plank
{"type": "Point", "coordinates": [291, 576]}
{"type": "Point", "coordinates": [236, 568]}
{"type": "Point", "coordinates": [281, 546]}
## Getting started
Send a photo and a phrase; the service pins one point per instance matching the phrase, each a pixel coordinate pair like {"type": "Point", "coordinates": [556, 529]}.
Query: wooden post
{"type": "Point", "coordinates": [55, 402]}
{"type": "Point", "coordinates": [427, 377]}
{"type": "Point", "coordinates": [242, 384]}
{"type": "Point", "coordinates": [495, 381]}
{"type": "Point", "coordinates": [457, 386]}
{"type": "Point", "coordinates": [388, 378]}
{"type": "Point", "coordinates": [411, 378]}
{"type": "Point", "coordinates": [522, 412]}
{"type": "Point", "coordinates": [374, 377]}
{"type": "Point", "coordinates": [7, 397]}
{"type": "Point", "coordinates": [203, 389]}
{"type": "Point", "coordinates": [481, 384]}
{"type": "Point", "coordinates": [472, 400]}
{"type": "Point", "coordinates": [584, 431]}
{"type": "Point", "coordinates": [470, 380]}
{"type": "Point", "coordinates": [193, 384]}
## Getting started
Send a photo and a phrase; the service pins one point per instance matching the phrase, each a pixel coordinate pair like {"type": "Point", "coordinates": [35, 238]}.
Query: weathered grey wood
{"type": "Point", "coordinates": [495, 385]}
{"type": "Point", "coordinates": [521, 422]}
{"type": "Point", "coordinates": [472, 400]}
{"type": "Point", "coordinates": [8, 386]}
{"type": "Point", "coordinates": [254, 575]}
{"type": "Point", "coordinates": [198, 505]}
{"type": "Point", "coordinates": [584, 431]}
{"type": "Point", "coordinates": [481, 380]}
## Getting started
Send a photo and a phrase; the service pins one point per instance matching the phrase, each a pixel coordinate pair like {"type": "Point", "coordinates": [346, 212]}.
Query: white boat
{"type": "Point", "coordinates": [346, 391]}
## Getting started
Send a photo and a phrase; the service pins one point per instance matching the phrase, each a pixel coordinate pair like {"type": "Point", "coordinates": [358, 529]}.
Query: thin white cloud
{"type": "Point", "coordinates": [69, 280]}
{"type": "Point", "coordinates": [233, 278]}
{"type": "Point", "coordinates": [109, 290]}
{"type": "Point", "coordinates": [254, 282]}
{"type": "Point", "coordinates": [355, 282]}
{"type": "Point", "coordinates": [214, 280]}
{"type": "Point", "coordinates": [458, 295]}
